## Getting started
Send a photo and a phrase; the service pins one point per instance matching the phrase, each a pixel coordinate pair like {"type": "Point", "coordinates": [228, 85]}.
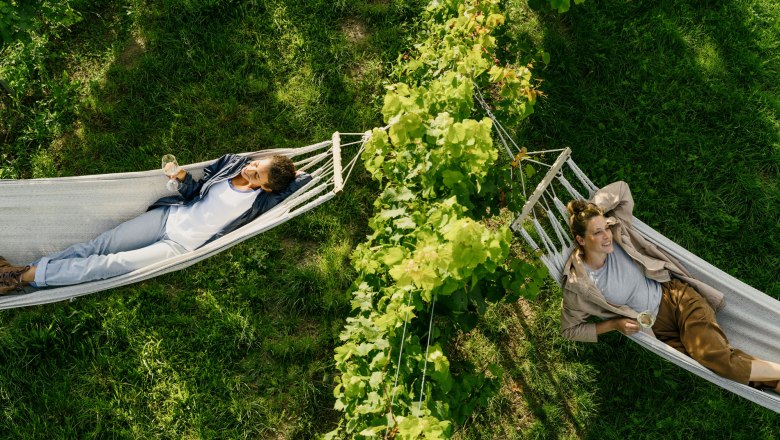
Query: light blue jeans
{"type": "Point", "coordinates": [132, 245]}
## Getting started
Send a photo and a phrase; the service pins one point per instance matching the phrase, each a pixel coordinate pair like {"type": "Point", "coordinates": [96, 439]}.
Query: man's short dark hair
{"type": "Point", "coordinates": [281, 173]}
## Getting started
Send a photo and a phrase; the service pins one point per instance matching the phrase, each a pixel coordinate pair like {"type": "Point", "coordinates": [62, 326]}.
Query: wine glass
{"type": "Point", "coordinates": [171, 168]}
{"type": "Point", "coordinates": [645, 319]}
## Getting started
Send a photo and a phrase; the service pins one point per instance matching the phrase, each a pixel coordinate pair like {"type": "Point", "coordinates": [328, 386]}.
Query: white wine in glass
{"type": "Point", "coordinates": [645, 319]}
{"type": "Point", "coordinates": [171, 168]}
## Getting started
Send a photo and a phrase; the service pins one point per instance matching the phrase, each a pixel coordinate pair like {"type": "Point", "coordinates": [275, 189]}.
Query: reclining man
{"type": "Point", "coordinates": [234, 191]}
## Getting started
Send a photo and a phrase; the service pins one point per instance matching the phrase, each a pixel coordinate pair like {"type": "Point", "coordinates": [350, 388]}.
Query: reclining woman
{"type": "Point", "coordinates": [615, 274]}
{"type": "Point", "coordinates": [234, 191]}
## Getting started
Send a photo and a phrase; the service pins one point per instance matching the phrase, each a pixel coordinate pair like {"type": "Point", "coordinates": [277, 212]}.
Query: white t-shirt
{"type": "Point", "coordinates": [192, 226]}
{"type": "Point", "coordinates": [622, 282]}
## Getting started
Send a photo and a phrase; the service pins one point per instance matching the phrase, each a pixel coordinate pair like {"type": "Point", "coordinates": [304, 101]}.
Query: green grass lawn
{"type": "Point", "coordinates": [680, 99]}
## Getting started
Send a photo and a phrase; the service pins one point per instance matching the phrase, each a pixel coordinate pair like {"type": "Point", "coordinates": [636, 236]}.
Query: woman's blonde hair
{"type": "Point", "coordinates": [580, 213]}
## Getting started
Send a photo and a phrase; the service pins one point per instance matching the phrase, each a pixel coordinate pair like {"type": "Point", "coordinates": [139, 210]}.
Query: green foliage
{"type": "Point", "coordinates": [462, 43]}
{"type": "Point", "coordinates": [563, 5]}
{"type": "Point", "coordinates": [37, 102]}
{"type": "Point", "coordinates": [560, 5]}
{"type": "Point", "coordinates": [22, 20]}
{"type": "Point", "coordinates": [429, 246]}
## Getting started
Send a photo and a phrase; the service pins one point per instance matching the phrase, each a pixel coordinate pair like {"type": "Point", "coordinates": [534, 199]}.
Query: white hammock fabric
{"type": "Point", "coordinates": [42, 216]}
{"type": "Point", "coordinates": [751, 319]}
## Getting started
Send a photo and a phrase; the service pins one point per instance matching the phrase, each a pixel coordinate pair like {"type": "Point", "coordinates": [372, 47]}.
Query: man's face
{"type": "Point", "coordinates": [256, 172]}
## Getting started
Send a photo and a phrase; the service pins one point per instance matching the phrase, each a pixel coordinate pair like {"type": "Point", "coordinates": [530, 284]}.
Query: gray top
{"type": "Point", "coordinates": [623, 283]}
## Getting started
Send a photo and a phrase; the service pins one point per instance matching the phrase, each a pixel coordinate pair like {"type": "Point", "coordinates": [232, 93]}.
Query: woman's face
{"type": "Point", "coordinates": [598, 237]}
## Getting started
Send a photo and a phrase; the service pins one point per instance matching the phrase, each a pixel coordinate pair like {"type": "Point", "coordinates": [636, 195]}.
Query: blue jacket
{"type": "Point", "coordinates": [227, 167]}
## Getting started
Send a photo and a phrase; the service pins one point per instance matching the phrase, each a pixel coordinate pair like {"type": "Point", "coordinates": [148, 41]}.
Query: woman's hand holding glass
{"type": "Point", "coordinates": [628, 326]}
{"type": "Point", "coordinates": [171, 169]}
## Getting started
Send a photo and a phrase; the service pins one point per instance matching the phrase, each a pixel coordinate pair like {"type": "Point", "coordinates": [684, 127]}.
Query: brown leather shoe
{"type": "Point", "coordinates": [6, 290]}
{"type": "Point", "coordinates": [11, 278]}
{"type": "Point", "coordinates": [10, 268]}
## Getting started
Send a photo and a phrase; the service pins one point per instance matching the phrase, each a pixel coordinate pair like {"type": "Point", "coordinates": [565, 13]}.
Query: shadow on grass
{"type": "Point", "coordinates": [208, 82]}
{"type": "Point", "coordinates": [554, 388]}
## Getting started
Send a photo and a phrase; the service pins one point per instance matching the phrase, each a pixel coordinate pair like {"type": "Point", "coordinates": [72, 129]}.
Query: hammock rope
{"type": "Point", "coordinates": [51, 207]}
{"type": "Point", "coordinates": [425, 365]}
{"type": "Point", "coordinates": [751, 318]}
{"type": "Point", "coordinates": [398, 366]}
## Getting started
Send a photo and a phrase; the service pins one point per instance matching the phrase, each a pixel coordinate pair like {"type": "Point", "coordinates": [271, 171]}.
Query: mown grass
{"type": "Point", "coordinates": [241, 345]}
{"type": "Point", "coordinates": [678, 98]}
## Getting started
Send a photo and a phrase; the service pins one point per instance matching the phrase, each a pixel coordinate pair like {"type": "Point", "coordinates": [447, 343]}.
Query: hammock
{"type": "Point", "coordinates": [751, 319]}
{"type": "Point", "coordinates": [42, 216]}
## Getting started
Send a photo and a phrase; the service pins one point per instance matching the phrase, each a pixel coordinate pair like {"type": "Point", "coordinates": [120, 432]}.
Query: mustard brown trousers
{"type": "Point", "coordinates": [686, 322]}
